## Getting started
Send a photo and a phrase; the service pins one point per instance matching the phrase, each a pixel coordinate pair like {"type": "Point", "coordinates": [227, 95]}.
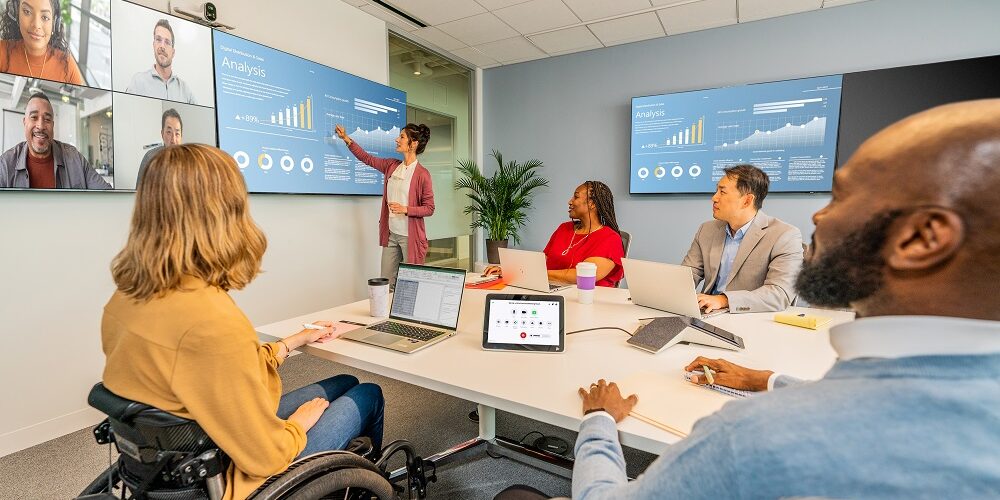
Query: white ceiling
{"type": "Point", "coordinates": [489, 33]}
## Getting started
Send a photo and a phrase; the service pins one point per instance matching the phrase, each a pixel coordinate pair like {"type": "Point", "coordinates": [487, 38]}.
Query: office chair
{"type": "Point", "coordinates": [626, 243]}
{"type": "Point", "coordinates": [626, 240]}
{"type": "Point", "coordinates": [165, 457]}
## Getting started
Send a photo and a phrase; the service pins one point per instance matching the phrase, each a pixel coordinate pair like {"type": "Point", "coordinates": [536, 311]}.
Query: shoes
{"type": "Point", "coordinates": [474, 415]}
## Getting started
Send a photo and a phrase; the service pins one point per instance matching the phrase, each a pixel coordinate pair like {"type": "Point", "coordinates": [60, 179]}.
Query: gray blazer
{"type": "Point", "coordinates": [73, 171]}
{"type": "Point", "coordinates": [765, 268]}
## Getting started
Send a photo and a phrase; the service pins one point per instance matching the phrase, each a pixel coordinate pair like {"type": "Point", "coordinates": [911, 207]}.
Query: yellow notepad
{"type": "Point", "coordinates": [802, 320]}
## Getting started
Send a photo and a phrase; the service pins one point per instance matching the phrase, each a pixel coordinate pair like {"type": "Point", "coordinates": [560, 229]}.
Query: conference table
{"type": "Point", "coordinates": [543, 386]}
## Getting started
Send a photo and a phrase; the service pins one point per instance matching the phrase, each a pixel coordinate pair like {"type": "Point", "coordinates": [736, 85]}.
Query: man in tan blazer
{"type": "Point", "coordinates": [747, 259]}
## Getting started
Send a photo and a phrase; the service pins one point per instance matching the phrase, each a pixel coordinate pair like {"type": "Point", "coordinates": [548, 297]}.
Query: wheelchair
{"type": "Point", "coordinates": [165, 457]}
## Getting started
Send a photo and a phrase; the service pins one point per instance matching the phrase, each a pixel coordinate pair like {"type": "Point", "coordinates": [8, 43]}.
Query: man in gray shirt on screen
{"type": "Point", "coordinates": [160, 81]}
{"type": "Point", "coordinates": [170, 131]}
{"type": "Point", "coordinates": [41, 162]}
{"type": "Point", "coordinates": [911, 407]}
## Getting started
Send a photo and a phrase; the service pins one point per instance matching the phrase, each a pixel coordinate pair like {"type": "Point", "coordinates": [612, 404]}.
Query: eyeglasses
{"type": "Point", "coordinates": [163, 41]}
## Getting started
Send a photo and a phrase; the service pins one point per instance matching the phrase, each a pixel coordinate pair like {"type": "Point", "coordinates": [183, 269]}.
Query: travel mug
{"type": "Point", "coordinates": [378, 297]}
{"type": "Point", "coordinates": [586, 280]}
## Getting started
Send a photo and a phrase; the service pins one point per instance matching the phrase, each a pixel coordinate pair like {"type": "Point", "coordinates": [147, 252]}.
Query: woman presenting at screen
{"type": "Point", "coordinates": [34, 42]}
{"type": "Point", "coordinates": [407, 197]}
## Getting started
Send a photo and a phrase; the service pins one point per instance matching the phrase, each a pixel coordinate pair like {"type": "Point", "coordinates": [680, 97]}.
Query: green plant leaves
{"type": "Point", "coordinates": [499, 203]}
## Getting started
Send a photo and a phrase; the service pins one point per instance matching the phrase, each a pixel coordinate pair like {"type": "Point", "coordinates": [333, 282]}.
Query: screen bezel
{"type": "Point", "coordinates": [461, 295]}
{"type": "Point", "coordinates": [836, 162]}
{"type": "Point", "coordinates": [561, 347]}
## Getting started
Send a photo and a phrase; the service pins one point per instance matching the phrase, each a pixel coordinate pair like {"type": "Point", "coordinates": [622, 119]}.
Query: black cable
{"type": "Point", "coordinates": [528, 434]}
{"type": "Point", "coordinates": [600, 328]}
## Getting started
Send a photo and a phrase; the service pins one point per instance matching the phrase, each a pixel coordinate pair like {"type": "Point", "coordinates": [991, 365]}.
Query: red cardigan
{"type": "Point", "coordinates": [421, 203]}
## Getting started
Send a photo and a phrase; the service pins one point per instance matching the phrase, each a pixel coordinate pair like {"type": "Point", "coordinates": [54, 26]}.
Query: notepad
{"type": "Point", "coordinates": [666, 398]}
{"type": "Point", "coordinates": [729, 391]}
{"type": "Point", "coordinates": [802, 320]}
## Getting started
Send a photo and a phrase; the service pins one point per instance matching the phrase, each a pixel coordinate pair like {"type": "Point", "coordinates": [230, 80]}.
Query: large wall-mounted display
{"type": "Point", "coordinates": [682, 142]}
{"type": "Point", "coordinates": [72, 120]}
{"type": "Point", "coordinates": [277, 113]}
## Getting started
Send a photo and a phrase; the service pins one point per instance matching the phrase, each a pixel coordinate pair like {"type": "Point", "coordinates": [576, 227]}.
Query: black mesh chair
{"type": "Point", "coordinates": [165, 457]}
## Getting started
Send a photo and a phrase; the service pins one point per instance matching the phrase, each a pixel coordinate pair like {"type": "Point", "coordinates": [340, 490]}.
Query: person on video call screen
{"type": "Point", "coordinates": [33, 42]}
{"type": "Point", "coordinates": [160, 81]}
{"type": "Point", "coordinates": [43, 162]}
{"type": "Point", "coordinates": [171, 130]}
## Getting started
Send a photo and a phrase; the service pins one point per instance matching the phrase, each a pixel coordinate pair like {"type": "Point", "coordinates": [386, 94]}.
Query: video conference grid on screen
{"type": "Point", "coordinates": [102, 122]}
{"type": "Point", "coordinates": [682, 142]}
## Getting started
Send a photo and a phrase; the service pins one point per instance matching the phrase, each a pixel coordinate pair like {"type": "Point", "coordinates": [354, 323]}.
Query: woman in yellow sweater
{"type": "Point", "coordinates": [174, 338]}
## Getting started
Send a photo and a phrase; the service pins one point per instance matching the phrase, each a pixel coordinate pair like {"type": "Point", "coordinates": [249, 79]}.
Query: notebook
{"type": "Point", "coordinates": [729, 391]}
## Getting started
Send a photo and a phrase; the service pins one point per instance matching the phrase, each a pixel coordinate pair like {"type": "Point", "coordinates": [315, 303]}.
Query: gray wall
{"type": "Point", "coordinates": [572, 112]}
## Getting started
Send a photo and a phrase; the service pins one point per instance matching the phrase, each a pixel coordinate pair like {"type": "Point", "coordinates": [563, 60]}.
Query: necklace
{"type": "Point", "coordinates": [28, 63]}
{"type": "Point", "coordinates": [571, 244]}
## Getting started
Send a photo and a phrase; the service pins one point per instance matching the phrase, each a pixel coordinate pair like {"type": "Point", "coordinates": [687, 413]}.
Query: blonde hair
{"type": "Point", "coordinates": [191, 219]}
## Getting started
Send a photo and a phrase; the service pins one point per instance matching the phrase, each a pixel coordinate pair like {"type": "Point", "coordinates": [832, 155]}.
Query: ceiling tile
{"type": "Point", "coordinates": [754, 10]}
{"type": "Point", "coordinates": [628, 29]}
{"type": "Point", "coordinates": [475, 56]}
{"type": "Point", "coordinates": [537, 15]}
{"type": "Point", "coordinates": [388, 16]}
{"type": "Point", "coordinates": [588, 10]}
{"type": "Point", "coordinates": [356, 3]}
{"type": "Point", "coordinates": [567, 40]}
{"type": "Point", "coordinates": [438, 11]}
{"type": "Point", "coordinates": [837, 3]}
{"type": "Point", "coordinates": [698, 16]}
{"type": "Point", "coordinates": [515, 49]}
{"type": "Point", "coordinates": [668, 3]}
{"type": "Point", "coordinates": [477, 30]}
{"type": "Point", "coordinates": [439, 38]}
{"type": "Point", "coordinates": [499, 4]}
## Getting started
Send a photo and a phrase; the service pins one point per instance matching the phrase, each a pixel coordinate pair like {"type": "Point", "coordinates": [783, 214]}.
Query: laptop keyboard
{"type": "Point", "coordinates": [405, 330]}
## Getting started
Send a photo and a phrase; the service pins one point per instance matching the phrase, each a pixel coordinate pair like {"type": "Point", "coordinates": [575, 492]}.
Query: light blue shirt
{"type": "Point", "coordinates": [910, 410]}
{"type": "Point", "coordinates": [729, 255]}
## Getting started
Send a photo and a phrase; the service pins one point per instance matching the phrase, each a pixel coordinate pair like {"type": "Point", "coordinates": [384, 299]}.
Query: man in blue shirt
{"type": "Point", "coordinates": [911, 409]}
{"type": "Point", "coordinates": [746, 259]}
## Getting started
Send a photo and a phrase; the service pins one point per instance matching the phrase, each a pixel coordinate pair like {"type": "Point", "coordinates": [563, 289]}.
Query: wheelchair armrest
{"type": "Point", "coordinates": [113, 405]}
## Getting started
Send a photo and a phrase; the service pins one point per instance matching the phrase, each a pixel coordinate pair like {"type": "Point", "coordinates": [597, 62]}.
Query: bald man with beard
{"type": "Point", "coordinates": [911, 408]}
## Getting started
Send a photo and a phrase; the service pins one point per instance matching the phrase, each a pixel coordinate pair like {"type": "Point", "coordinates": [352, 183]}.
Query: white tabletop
{"type": "Point", "coordinates": [544, 386]}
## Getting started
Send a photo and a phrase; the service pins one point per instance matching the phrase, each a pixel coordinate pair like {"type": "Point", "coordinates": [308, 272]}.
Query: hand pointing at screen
{"type": "Point", "coordinates": [341, 133]}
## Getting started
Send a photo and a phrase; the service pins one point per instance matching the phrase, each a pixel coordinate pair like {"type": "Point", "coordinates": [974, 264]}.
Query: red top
{"type": "Point", "coordinates": [604, 242]}
{"type": "Point", "coordinates": [41, 172]}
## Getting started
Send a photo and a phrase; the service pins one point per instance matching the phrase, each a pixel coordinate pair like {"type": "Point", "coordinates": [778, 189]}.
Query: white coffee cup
{"type": "Point", "coordinates": [586, 281]}
{"type": "Point", "coordinates": [378, 297]}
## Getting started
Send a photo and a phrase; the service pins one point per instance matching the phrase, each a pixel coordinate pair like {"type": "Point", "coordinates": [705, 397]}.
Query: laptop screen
{"type": "Point", "coordinates": [428, 295]}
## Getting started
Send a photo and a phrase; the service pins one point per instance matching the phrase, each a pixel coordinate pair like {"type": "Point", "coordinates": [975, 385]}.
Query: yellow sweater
{"type": "Point", "coordinates": [194, 354]}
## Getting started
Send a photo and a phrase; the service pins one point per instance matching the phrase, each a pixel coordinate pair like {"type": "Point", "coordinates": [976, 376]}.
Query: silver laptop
{"type": "Point", "coordinates": [666, 287]}
{"type": "Point", "coordinates": [424, 310]}
{"type": "Point", "coordinates": [524, 269]}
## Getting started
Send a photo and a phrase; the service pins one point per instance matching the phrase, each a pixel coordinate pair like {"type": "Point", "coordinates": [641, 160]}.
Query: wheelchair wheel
{"type": "Point", "coordinates": [331, 486]}
{"type": "Point", "coordinates": [100, 484]}
{"type": "Point", "coordinates": [319, 475]}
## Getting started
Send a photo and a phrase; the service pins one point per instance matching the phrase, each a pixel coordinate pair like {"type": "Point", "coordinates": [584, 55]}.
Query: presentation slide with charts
{"type": "Point", "coordinates": [276, 116]}
{"type": "Point", "coordinates": [682, 142]}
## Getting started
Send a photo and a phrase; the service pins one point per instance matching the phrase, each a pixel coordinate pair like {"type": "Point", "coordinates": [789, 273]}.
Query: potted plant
{"type": "Point", "coordinates": [499, 203]}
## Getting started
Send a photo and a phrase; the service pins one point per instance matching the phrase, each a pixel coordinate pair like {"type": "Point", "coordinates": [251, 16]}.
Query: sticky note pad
{"type": "Point", "coordinates": [806, 321]}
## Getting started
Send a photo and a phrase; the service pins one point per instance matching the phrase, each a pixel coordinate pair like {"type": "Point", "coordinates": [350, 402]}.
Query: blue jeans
{"type": "Point", "coordinates": [355, 410]}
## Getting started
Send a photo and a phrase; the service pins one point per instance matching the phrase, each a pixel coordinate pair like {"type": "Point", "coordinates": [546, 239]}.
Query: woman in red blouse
{"type": "Point", "coordinates": [591, 236]}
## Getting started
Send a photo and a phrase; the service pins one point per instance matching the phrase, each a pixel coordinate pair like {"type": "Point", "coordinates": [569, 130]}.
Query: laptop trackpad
{"type": "Point", "coordinates": [382, 338]}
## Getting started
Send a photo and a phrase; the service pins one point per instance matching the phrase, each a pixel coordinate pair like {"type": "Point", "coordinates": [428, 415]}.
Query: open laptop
{"type": "Point", "coordinates": [524, 269]}
{"type": "Point", "coordinates": [666, 287]}
{"type": "Point", "coordinates": [424, 310]}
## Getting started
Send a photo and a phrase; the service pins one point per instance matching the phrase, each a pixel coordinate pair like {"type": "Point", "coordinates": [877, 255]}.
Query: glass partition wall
{"type": "Point", "coordinates": [439, 95]}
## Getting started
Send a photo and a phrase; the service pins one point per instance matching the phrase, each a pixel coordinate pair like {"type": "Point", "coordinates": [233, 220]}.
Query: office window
{"type": "Point", "coordinates": [439, 95]}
